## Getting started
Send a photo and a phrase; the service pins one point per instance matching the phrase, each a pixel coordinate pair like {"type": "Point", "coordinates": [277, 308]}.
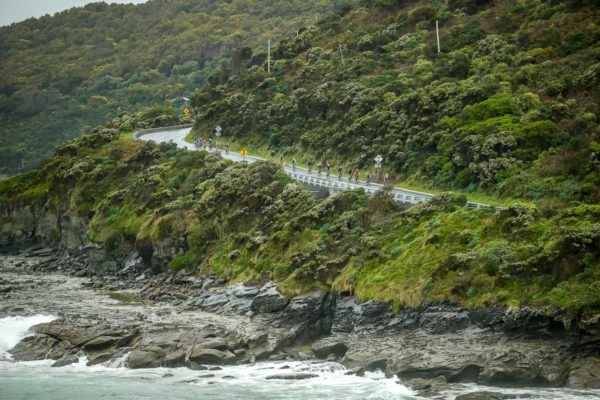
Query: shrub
{"type": "Point", "coordinates": [423, 13]}
{"type": "Point", "coordinates": [185, 261]}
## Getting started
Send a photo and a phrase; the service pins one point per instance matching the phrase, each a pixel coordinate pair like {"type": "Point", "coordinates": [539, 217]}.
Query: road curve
{"type": "Point", "coordinates": [177, 135]}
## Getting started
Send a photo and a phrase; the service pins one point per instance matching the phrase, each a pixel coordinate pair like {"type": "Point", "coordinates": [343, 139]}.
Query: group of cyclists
{"type": "Point", "coordinates": [207, 144]}
{"type": "Point", "coordinates": [353, 172]}
{"type": "Point", "coordinates": [321, 167]}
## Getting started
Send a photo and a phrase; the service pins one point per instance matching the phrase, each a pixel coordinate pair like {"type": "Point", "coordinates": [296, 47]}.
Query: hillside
{"type": "Point", "coordinates": [509, 107]}
{"type": "Point", "coordinates": [112, 196]}
{"type": "Point", "coordinates": [493, 112]}
{"type": "Point", "coordinates": [62, 75]}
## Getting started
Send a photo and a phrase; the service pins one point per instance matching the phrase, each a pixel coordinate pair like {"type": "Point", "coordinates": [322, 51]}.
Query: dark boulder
{"type": "Point", "coordinates": [150, 357]}
{"type": "Point", "coordinates": [33, 348]}
{"type": "Point", "coordinates": [325, 348]}
{"type": "Point", "coordinates": [307, 307]}
{"type": "Point", "coordinates": [66, 360]}
{"type": "Point", "coordinates": [174, 359]}
{"type": "Point", "coordinates": [100, 342]}
{"type": "Point", "coordinates": [295, 377]}
{"type": "Point", "coordinates": [99, 359]}
{"type": "Point", "coordinates": [212, 343]}
{"type": "Point", "coordinates": [481, 396]}
{"type": "Point", "coordinates": [268, 299]}
{"type": "Point", "coordinates": [443, 317]}
{"type": "Point", "coordinates": [212, 356]}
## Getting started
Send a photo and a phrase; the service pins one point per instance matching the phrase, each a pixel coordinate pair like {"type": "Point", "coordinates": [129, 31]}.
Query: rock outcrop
{"type": "Point", "coordinates": [425, 345]}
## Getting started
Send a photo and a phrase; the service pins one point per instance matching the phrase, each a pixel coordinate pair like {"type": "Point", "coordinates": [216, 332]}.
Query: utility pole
{"type": "Point", "coordinates": [341, 54]}
{"type": "Point", "coordinates": [437, 34]}
{"type": "Point", "coordinates": [269, 57]}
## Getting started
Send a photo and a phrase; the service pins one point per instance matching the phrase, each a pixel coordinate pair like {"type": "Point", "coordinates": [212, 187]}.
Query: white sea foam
{"type": "Point", "coordinates": [14, 329]}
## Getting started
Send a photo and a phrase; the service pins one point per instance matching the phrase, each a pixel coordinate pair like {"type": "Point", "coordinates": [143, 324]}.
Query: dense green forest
{"type": "Point", "coordinates": [61, 75]}
{"type": "Point", "coordinates": [510, 105]}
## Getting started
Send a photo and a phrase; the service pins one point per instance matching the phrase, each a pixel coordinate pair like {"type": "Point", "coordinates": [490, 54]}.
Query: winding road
{"type": "Point", "coordinates": [177, 135]}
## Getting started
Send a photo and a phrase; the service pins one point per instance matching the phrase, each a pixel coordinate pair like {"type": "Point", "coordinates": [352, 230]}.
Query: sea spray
{"type": "Point", "coordinates": [14, 329]}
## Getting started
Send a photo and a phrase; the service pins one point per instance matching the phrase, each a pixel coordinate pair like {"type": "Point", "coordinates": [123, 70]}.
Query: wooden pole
{"type": "Point", "coordinates": [437, 34]}
{"type": "Point", "coordinates": [269, 57]}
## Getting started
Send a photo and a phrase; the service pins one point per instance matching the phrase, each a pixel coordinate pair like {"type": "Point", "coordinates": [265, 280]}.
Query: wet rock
{"type": "Point", "coordinates": [100, 342]}
{"type": "Point", "coordinates": [262, 353]}
{"type": "Point", "coordinates": [174, 359]}
{"type": "Point", "coordinates": [148, 358]}
{"type": "Point", "coordinates": [66, 360]}
{"type": "Point", "coordinates": [376, 364]}
{"type": "Point", "coordinates": [352, 315]}
{"type": "Point", "coordinates": [33, 348]}
{"type": "Point", "coordinates": [212, 356]}
{"type": "Point", "coordinates": [295, 376]}
{"type": "Point", "coordinates": [427, 388]}
{"type": "Point", "coordinates": [195, 366]}
{"type": "Point", "coordinates": [133, 264]}
{"type": "Point", "coordinates": [325, 348]}
{"type": "Point", "coordinates": [306, 307]}
{"type": "Point", "coordinates": [215, 302]}
{"type": "Point", "coordinates": [492, 317]}
{"type": "Point", "coordinates": [242, 355]}
{"type": "Point", "coordinates": [531, 320]}
{"type": "Point", "coordinates": [585, 373]}
{"type": "Point", "coordinates": [99, 359]}
{"type": "Point", "coordinates": [481, 396]}
{"type": "Point", "coordinates": [444, 317]}
{"type": "Point", "coordinates": [211, 343]}
{"type": "Point", "coordinates": [358, 371]}
{"type": "Point", "coordinates": [268, 299]}
{"type": "Point", "coordinates": [236, 299]}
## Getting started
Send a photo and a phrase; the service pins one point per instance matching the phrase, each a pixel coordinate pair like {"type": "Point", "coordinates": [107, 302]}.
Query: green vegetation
{"type": "Point", "coordinates": [196, 211]}
{"type": "Point", "coordinates": [62, 75]}
{"type": "Point", "coordinates": [509, 108]}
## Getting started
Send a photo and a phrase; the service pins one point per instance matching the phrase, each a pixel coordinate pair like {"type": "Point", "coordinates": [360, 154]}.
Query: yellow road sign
{"type": "Point", "coordinates": [186, 111]}
{"type": "Point", "coordinates": [243, 152]}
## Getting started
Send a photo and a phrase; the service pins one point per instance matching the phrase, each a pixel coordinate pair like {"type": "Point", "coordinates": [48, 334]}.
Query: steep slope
{"type": "Point", "coordinates": [112, 197]}
{"type": "Point", "coordinates": [509, 106]}
{"type": "Point", "coordinates": [62, 75]}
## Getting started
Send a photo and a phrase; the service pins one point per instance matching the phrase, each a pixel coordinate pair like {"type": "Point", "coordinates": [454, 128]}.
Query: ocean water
{"type": "Point", "coordinates": [37, 380]}
{"type": "Point", "coordinates": [13, 329]}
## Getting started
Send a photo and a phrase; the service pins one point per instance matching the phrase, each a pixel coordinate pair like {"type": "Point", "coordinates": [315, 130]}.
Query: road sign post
{"type": "Point", "coordinates": [378, 161]}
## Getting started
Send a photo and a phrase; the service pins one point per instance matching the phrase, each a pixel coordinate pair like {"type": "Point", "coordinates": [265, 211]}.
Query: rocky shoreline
{"type": "Point", "coordinates": [216, 323]}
